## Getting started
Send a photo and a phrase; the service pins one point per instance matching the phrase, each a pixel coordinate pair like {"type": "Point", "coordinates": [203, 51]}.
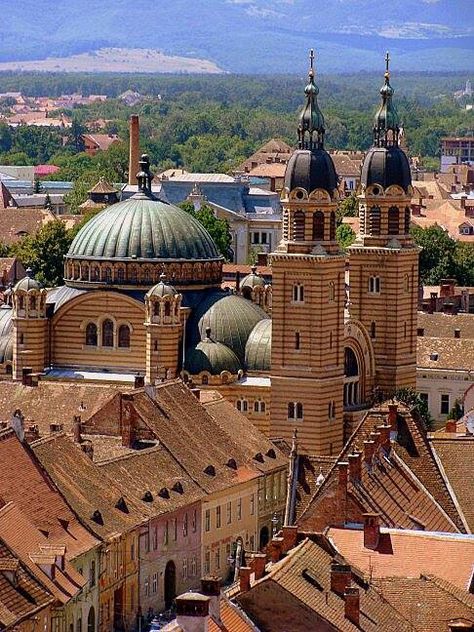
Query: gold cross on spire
{"type": "Point", "coordinates": [311, 63]}
{"type": "Point", "coordinates": [387, 65]}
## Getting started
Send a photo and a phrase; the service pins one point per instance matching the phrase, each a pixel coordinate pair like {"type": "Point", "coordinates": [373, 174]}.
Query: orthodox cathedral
{"type": "Point", "coordinates": [143, 300]}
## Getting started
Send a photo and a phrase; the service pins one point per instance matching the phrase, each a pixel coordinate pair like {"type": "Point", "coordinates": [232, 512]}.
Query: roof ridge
{"type": "Point", "coordinates": [461, 595]}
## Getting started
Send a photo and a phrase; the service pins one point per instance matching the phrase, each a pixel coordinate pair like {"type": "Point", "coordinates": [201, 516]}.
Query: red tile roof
{"type": "Point", "coordinates": [403, 553]}
{"type": "Point", "coordinates": [30, 488]}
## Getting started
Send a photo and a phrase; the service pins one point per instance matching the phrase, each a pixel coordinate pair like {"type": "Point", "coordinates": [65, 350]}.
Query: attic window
{"type": "Point", "coordinates": [164, 493]}
{"type": "Point", "coordinates": [177, 487]}
{"type": "Point", "coordinates": [232, 463]}
{"type": "Point", "coordinates": [122, 505]}
{"type": "Point", "coordinates": [271, 453]}
{"type": "Point", "coordinates": [147, 497]}
{"type": "Point", "coordinates": [311, 578]}
{"type": "Point", "coordinates": [97, 517]}
{"type": "Point", "coordinates": [210, 470]}
{"type": "Point", "coordinates": [259, 457]}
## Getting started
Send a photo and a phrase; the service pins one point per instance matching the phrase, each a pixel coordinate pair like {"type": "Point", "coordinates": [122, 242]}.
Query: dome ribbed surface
{"type": "Point", "coordinates": [311, 170]}
{"type": "Point", "coordinates": [143, 228]}
{"type": "Point", "coordinates": [231, 319]}
{"type": "Point", "coordinates": [252, 280]}
{"type": "Point", "coordinates": [386, 166]}
{"type": "Point", "coordinates": [210, 355]}
{"type": "Point", "coordinates": [258, 349]}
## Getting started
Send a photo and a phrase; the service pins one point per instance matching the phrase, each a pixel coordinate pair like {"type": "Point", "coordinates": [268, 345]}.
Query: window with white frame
{"type": "Point", "coordinates": [374, 285]}
{"type": "Point", "coordinates": [154, 583]}
{"type": "Point", "coordinates": [185, 567]}
{"type": "Point", "coordinates": [242, 405]}
{"type": "Point", "coordinates": [298, 293]}
{"type": "Point", "coordinates": [295, 411]}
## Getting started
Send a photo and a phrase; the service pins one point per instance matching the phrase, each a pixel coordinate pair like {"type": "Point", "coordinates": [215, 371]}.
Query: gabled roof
{"type": "Point", "coordinates": [405, 485]}
{"type": "Point", "coordinates": [91, 493]}
{"type": "Point", "coordinates": [23, 597]}
{"type": "Point", "coordinates": [25, 482]}
{"type": "Point", "coordinates": [27, 543]}
{"type": "Point", "coordinates": [102, 141]}
{"type": "Point", "coordinates": [15, 223]}
{"type": "Point", "coordinates": [406, 553]}
{"type": "Point", "coordinates": [456, 354]}
{"type": "Point", "coordinates": [296, 595]}
{"type": "Point", "coordinates": [428, 602]}
{"type": "Point", "coordinates": [6, 198]}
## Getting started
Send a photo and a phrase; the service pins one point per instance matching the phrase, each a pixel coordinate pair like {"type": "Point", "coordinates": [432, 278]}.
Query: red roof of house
{"type": "Point", "coordinates": [45, 170]}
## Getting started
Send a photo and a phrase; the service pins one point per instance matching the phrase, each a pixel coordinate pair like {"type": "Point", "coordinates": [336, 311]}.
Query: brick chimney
{"type": "Point", "coordinates": [128, 420]}
{"type": "Point", "coordinates": [76, 429]}
{"type": "Point", "coordinates": [451, 425]}
{"type": "Point", "coordinates": [139, 381]}
{"type": "Point", "coordinates": [340, 578]}
{"type": "Point", "coordinates": [258, 563]}
{"type": "Point", "coordinates": [369, 447]}
{"type": "Point", "coordinates": [192, 612]}
{"type": "Point", "coordinates": [134, 154]}
{"type": "Point", "coordinates": [384, 431]}
{"type": "Point", "coordinates": [342, 469]}
{"type": "Point", "coordinates": [371, 530]}
{"type": "Point", "coordinates": [244, 578]}
{"type": "Point", "coordinates": [355, 466]}
{"type": "Point", "coordinates": [352, 605]}
{"type": "Point", "coordinates": [211, 587]}
{"type": "Point", "coordinates": [290, 536]}
{"type": "Point", "coordinates": [375, 436]}
{"type": "Point", "coordinates": [392, 416]}
{"type": "Point", "coordinates": [275, 549]}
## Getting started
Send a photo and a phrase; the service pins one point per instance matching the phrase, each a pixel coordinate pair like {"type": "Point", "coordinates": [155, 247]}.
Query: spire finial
{"type": "Point", "coordinates": [311, 63]}
{"type": "Point", "coordinates": [387, 65]}
{"type": "Point", "coordinates": [144, 176]}
{"type": "Point", "coordinates": [311, 120]}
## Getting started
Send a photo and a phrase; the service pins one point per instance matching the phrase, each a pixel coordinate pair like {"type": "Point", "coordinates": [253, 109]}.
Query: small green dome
{"type": "Point", "coordinates": [231, 318]}
{"type": "Point", "coordinates": [162, 288]}
{"type": "Point", "coordinates": [258, 349]}
{"type": "Point", "coordinates": [252, 280]}
{"type": "Point", "coordinates": [143, 227]}
{"type": "Point", "coordinates": [28, 282]}
{"type": "Point", "coordinates": [212, 356]}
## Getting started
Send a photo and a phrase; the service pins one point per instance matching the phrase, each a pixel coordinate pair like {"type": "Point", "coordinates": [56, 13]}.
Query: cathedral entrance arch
{"type": "Point", "coordinates": [359, 366]}
{"type": "Point", "coordinates": [170, 584]}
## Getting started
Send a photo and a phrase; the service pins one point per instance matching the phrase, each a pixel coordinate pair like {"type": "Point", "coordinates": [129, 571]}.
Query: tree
{"type": "Point", "coordinates": [437, 255]}
{"type": "Point", "coordinates": [6, 140]}
{"type": "Point", "coordinates": [412, 399]}
{"type": "Point", "coordinates": [217, 228]}
{"type": "Point", "coordinates": [464, 263]}
{"type": "Point", "coordinates": [345, 235]}
{"type": "Point", "coordinates": [349, 207]}
{"type": "Point", "coordinates": [76, 131]}
{"type": "Point", "coordinates": [44, 252]}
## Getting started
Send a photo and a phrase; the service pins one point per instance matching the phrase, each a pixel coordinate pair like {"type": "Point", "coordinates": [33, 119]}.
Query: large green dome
{"type": "Point", "coordinates": [143, 228]}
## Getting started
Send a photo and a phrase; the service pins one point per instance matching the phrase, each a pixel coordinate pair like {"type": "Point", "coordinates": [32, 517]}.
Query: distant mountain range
{"type": "Point", "coordinates": [249, 36]}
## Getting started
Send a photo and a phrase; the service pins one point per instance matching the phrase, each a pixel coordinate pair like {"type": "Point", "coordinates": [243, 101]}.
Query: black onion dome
{"type": "Point", "coordinates": [386, 166]}
{"type": "Point", "coordinates": [311, 170]}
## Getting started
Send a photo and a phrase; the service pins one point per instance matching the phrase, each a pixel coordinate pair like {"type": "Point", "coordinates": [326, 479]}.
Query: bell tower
{"type": "Point", "coordinates": [29, 326]}
{"type": "Point", "coordinates": [164, 318]}
{"type": "Point", "coordinates": [307, 363]}
{"type": "Point", "coordinates": [384, 259]}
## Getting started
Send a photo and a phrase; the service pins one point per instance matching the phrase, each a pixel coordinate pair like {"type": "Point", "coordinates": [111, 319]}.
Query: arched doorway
{"type": "Point", "coordinates": [170, 584]}
{"type": "Point", "coordinates": [91, 620]}
{"type": "Point", "coordinates": [264, 537]}
{"type": "Point", "coordinates": [352, 395]}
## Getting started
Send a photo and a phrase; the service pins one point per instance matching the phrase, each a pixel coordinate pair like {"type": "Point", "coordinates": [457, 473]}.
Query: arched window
{"type": "Point", "coordinates": [393, 220]}
{"type": "Point", "coordinates": [91, 335]}
{"type": "Point", "coordinates": [91, 620]}
{"type": "Point", "coordinates": [298, 293]}
{"type": "Point", "coordinates": [132, 274]}
{"type": "Point", "coordinates": [147, 276]}
{"type": "Point", "coordinates": [156, 308]}
{"type": "Point", "coordinates": [21, 302]}
{"type": "Point", "coordinates": [107, 333]}
{"type": "Point", "coordinates": [242, 405]}
{"type": "Point", "coordinates": [167, 308]}
{"type": "Point", "coordinates": [205, 380]}
{"type": "Point", "coordinates": [406, 283]}
{"type": "Point", "coordinates": [332, 226]}
{"type": "Point", "coordinates": [32, 303]}
{"type": "Point", "coordinates": [295, 411]}
{"type": "Point", "coordinates": [374, 220]}
{"type": "Point", "coordinates": [298, 226]}
{"type": "Point", "coordinates": [108, 274]}
{"type": "Point", "coordinates": [297, 340]}
{"type": "Point", "coordinates": [124, 336]}
{"type": "Point", "coordinates": [318, 225]}
{"type": "Point", "coordinates": [331, 291]}
{"type": "Point", "coordinates": [120, 275]}
{"type": "Point", "coordinates": [95, 273]}
{"type": "Point", "coordinates": [372, 330]}
{"type": "Point", "coordinates": [374, 285]}
{"type": "Point", "coordinates": [351, 367]}
{"type": "Point", "coordinates": [77, 271]}
{"type": "Point", "coordinates": [407, 220]}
